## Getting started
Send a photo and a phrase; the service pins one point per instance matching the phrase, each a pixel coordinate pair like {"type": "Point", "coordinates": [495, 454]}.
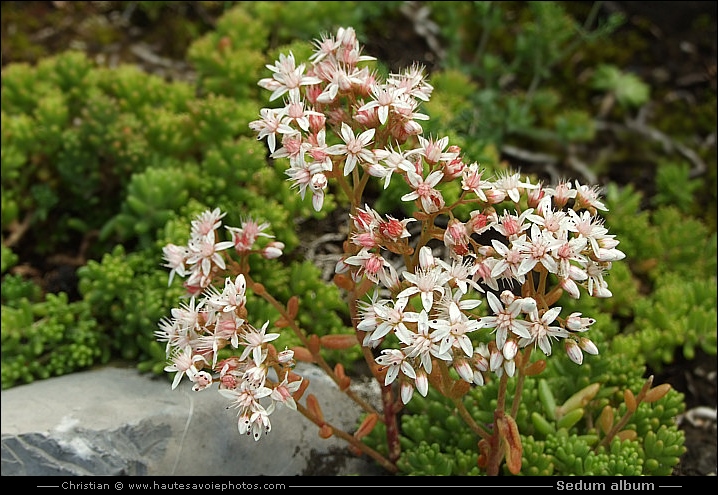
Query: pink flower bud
{"type": "Point", "coordinates": [463, 368]}
{"type": "Point", "coordinates": [507, 297]}
{"type": "Point", "coordinates": [365, 239]}
{"type": "Point", "coordinates": [574, 351]}
{"type": "Point", "coordinates": [495, 196]}
{"type": "Point", "coordinates": [318, 181]}
{"type": "Point", "coordinates": [535, 196]}
{"type": "Point", "coordinates": [510, 349]}
{"type": "Point", "coordinates": [576, 323]}
{"type": "Point", "coordinates": [496, 360]}
{"type": "Point", "coordinates": [477, 223]}
{"type": "Point", "coordinates": [510, 367]}
{"type": "Point", "coordinates": [407, 391]}
{"type": "Point", "coordinates": [316, 122]}
{"type": "Point", "coordinates": [412, 128]}
{"type": "Point", "coordinates": [570, 287]}
{"type": "Point", "coordinates": [426, 258]}
{"type": "Point", "coordinates": [273, 250]}
{"type": "Point", "coordinates": [588, 346]}
{"type": "Point", "coordinates": [481, 363]}
{"type": "Point", "coordinates": [422, 382]}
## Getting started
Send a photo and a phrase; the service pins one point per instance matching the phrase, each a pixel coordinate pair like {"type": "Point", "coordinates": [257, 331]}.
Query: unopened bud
{"type": "Point", "coordinates": [510, 349]}
{"type": "Point", "coordinates": [510, 367]}
{"type": "Point", "coordinates": [507, 297]}
{"type": "Point", "coordinates": [528, 306]}
{"type": "Point", "coordinates": [342, 266]}
{"type": "Point", "coordinates": [406, 391]}
{"type": "Point", "coordinates": [574, 351]}
{"type": "Point", "coordinates": [496, 360]}
{"type": "Point", "coordinates": [588, 346]}
{"type": "Point", "coordinates": [463, 368]}
{"type": "Point", "coordinates": [576, 323]}
{"type": "Point", "coordinates": [570, 287]}
{"type": "Point", "coordinates": [273, 250]}
{"type": "Point", "coordinates": [426, 258]}
{"type": "Point", "coordinates": [422, 382]}
{"type": "Point", "coordinates": [534, 196]}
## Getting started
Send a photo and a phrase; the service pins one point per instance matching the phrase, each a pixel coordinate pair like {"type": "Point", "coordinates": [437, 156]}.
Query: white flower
{"type": "Point", "coordinates": [282, 394]}
{"type": "Point", "coordinates": [254, 340]}
{"type": "Point", "coordinates": [395, 360]}
{"type": "Point", "coordinates": [183, 363]}
{"type": "Point", "coordinates": [423, 189]}
{"type": "Point", "coordinates": [541, 331]}
{"type": "Point", "coordinates": [354, 147]}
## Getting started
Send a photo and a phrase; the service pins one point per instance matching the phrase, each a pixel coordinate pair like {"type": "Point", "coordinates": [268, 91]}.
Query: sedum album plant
{"type": "Point", "coordinates": [457, 290]}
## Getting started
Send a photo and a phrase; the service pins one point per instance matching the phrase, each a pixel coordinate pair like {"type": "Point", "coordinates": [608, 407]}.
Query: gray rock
{"type": "Point", "coordinates": [116, 421]}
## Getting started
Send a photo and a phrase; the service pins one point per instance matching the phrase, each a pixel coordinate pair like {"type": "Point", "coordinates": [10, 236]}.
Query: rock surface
{"type": "Point", "coordinates": [116, 421]}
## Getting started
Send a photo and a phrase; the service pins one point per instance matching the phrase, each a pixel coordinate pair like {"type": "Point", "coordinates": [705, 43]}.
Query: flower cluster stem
{"type": "Point", "coordinates": [364, 448]}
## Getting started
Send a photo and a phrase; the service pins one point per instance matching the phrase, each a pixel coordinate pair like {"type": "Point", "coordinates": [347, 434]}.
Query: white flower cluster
{"type": "Point", "coordinates": [521, 246]}
{"type": "Point", "coordinates": [558, 239]}
{"type": "Point", "coordinates": [197, 331]}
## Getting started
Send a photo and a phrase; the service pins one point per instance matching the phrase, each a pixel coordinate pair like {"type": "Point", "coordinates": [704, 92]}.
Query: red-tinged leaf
{"type": "Point", "coordinates": [605, 420]}
{"type": "Point", "coordinates": [630, 400]}
{"type": "Point", "coordinates": [535, 368]}
{"type": "Point", "coordinates": [293, 306]}
{"type": "Point", "coordinates": [366, 426]}
{"type": "Point", "coordinates": [338, 342]}
{"type": "Point", "coordinates": [281, 322]}
{"type": "Point", "coordinates": [326, 431]}
{"type": "Point", "coordinates": [627, 435]}
{"type": "Point", "coordinates": [339, 370]}
{"type": "Point", "coordinates": [302, 354]}
{"type": "Point", "coordinates": [459, 389]}
{"type": "Point", "coordinates": [343, 282]}
{"type": "Point", "coordinates": [511, 442]}
{"type": "Point", "coordinates": [435, 380]}
{"type": "Point", "coordinates": [344, 383]}
{"type": "Point", "coordinates": [315, 408]}
{"type": "Point", "coordinates": [657, 392]}
{"type": "Point", "coordinates": [483, 459]}
{"type": "Point", "coordinates": [302, 387]}
{"type": "Point", "coordinates": [314, 344]}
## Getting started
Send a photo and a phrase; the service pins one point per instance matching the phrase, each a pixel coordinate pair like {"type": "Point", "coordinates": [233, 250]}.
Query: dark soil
{"type": "Point", "coordinates": [679, 58]}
